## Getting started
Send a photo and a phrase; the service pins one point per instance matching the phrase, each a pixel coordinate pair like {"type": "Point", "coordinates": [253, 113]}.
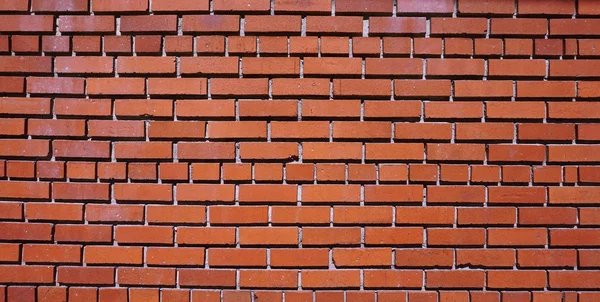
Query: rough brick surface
{"type": "Point", "coordinates": [299, 150]}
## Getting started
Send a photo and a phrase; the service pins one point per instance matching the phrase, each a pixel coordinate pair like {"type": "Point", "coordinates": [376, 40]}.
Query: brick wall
{"type": "Point", "coordinates": [306, 150]}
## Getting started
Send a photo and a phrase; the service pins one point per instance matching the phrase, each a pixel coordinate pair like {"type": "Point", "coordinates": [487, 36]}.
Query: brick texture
{"type": "Point", "coordinates": [310, 150]}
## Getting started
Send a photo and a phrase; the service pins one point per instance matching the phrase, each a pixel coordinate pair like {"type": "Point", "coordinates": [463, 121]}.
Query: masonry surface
{"type": "Point", "coordinates": [299, 150]}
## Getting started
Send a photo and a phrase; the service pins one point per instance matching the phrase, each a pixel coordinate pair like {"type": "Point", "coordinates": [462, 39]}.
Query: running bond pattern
{"type": "Point", "coordinates": [299, 150]}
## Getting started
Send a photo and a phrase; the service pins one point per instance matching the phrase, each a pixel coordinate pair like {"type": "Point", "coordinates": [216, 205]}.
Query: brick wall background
{"type": "Point", "coordinates": [299, 150]}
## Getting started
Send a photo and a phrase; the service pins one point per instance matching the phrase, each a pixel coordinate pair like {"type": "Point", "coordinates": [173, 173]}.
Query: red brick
{"type": "Point", "coordinates": [458, 26]}
{"type": "Point", "coordinates": [297, 87]}
{"type": "Point", "coordinates": [392, 152]}
{"type": "Point", "coordinates": [420, 88]}
{"type": "Point", "coordinates": [241, 6]}
{"type": "Point", "coordinates": [68, 275]}
{"type": "Point", "coordinates": [330, 279]}
{"type": "Point", "coordinates": [517, 237]}
{"type": "Point", "coordinates": [315, 6]}
{"type": "Point", "coordinates": [96, 24]}
{"type": "Point", "coordinates": [115, 86]}
{"type": "Point", "coordinates": [146, 276]}
{"type": "Point", "coordinates": [456, 237]}
{"type": "Point", "coordinates": [455, 279]}
{"type": "Point", "coordinates": [515, 110]}
{"type": "Point", "coordinates": [279, 24]}
{"type": "Point", "coordinates": [179, 6]}
{"type": "Point", "coordinates": [328, 66]}
{"type": "Point", "coordinates": [516, 279]}
{"type": "Point", "coordinates": [393, 66]}
{"type": "Point", "coordinates": [424, 258]}
{"type": "Point", "coordinates": [268, 279]}
{"type": "Point", "coordinates": [27, 23]}
{"type": "Point", "coordinates": [489, 258]}
{"type": "Point", "coordinates": [529, 7]}
{"type": "Point", "coordinates": [520, 27]}
{"type": "Point", "coordinates": [46, 253]}
{"type": "Point", "coordinates": [393, 193]}
{"type": "Point", "coordinates": [333, 25]}
{"type": "Point", "coordinates": [505, 7]}
{"type": "Point", "coordinates": [396, 25]}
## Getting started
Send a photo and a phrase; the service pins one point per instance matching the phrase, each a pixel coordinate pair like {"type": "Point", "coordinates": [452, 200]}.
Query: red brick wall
{"type": "Point", "coordinates": [306, 150]}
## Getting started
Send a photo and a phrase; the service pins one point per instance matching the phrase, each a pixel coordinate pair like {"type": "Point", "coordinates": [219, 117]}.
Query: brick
{"type": "Point", "coordinates": [146, 276]}
{"type": "Point", "coordinates": [91, 24]}
{"type": "Point", "coordinates": [424, 258]}
{"type": "Point", "coordinates": [528, 7]}
{"type": "Point", "coordinates": [305, 215]}
{"type": "Point", "coordinates": [49, 128]}
{"type": "Point", "coordinates": [165, 256]}
{"type": "Point", "coordinates": [454, 237]}
{"type": "Point", "coordinates": [397, 25]}
{"type": "Point", "coordinates": [362, 7]}
{"type": "Point", "coordinates": [515, 110]}
{"type": "Point", "coordinates": [483, 216]}
{"type": "Point", "coordinates": [458, 26]}
{"type": "Point", "coordinates": [12, 84]}
{"type": "Point", "coordinates": [114, 6]}
{"type": "Point", "coordinates": [44, 253]}
{"type": "Point", "coordinates": [207, 278]}
{"type": "Point", "coordinates": [565, 280]}
{"type": "Point", "coordinates": [477, 89]}
{"type": "Point", "coordinates": [392, 152]}
{"type": "Point", "coordinates": [519, 27]}
{"type": "Point", "coordinates": [530, 195]}
{"type": "Point", "coordinates": [86, 275]}
{"type": "Point", "coordinates": [176, 215]}
{"type": "Point", "coordinates": [298, 257]}
{"type": "Point", "coordinates": [251, 6]}
{"type": "Point", "coordinates": [453, 110]}
{"type": "Point", "coordinates": [268, 236]}
{"type": "Point", "coordinates": [54, 212]}
{"type": "Point", "coordinates": [319, 6]}
{"type": "Point", "coordinates": [333, 25]}
{"type": "Point", "coordinates": [63, 85]}
{"type": "Point", "coordinates": [330, 279]}
{"type": "Point", "coordinates": [378, 67]}
{"type": "Point", "coordinates": [546, 258]}
{"type": "Point", "coordinates": [82, 107]}
{"type": "Point", "coordinates": [115, 86]}
{"type": "Point", "coordinates": [352, 215]}
{"type": "Point", "coordinates": [505, 7]}
{"type": "Point", "coordinates": [296, 87]}
{"type": "Point", "coordinates": [205, 236]}
{"type": "Point", "coordinates": [517, 237]}
{"type": "Point", "coordinates": [488, 258]}
{"type": "Point", "coordinates": [110, 255]}
{"type": "Point", "coordinates": [33, 274]}
{"type": "Point", "coordinates": [393, 193]}
{"type": "Point", "coordinates": [226, 215]}
{"type": "Point", "coordinates": [420, 88]}
{"type": "Point", "coordinates": [424, 215]}
{"type": "Point", "coordinates": [455, 279]}
{"type": "Point", "coordinates": [268, 279]}
{"type": "Point", "coordinates": [83, 233]}
{"type": "Point", "coordinates": [262, 24]}
{"type": "Point", "coordinates": [456, 152]}
{"type": "Point", "coordinates": [456, 194]}
{"type": "Point", "coordinates": [243, 87]}
{"type": "Point", "coordinates": [13, 6]}
{"type": "Point", "coordinates": [516, 279]}
{"type": "Point", "coordinates": [328, 66]}
{"type": "Point", "coordinates": [25, 64]}
{"type": "Point", "coordinates": [27, 23]}
{"type": "Point", "coordinates": [179, 6]}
